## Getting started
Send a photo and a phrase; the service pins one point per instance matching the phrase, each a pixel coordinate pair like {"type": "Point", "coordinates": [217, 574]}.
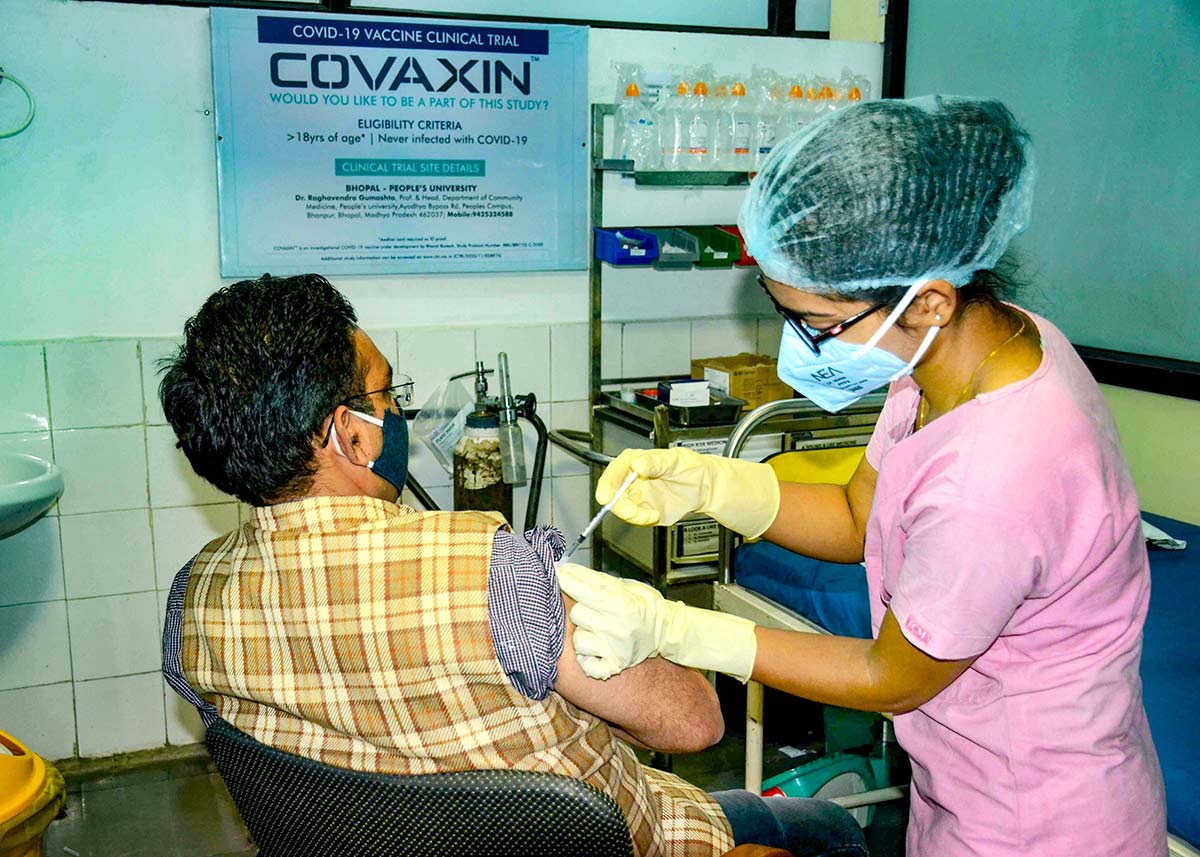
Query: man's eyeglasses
{"type": "Point", "coordinates": [400, 392]}
{"type": "Point", "coordinates": [810, 335]}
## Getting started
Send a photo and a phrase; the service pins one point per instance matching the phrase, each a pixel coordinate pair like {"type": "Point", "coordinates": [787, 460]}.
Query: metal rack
{"type": "Point", "coordinates": [689, 551]}
{"type": "Point", "coordinates": [686, 553]}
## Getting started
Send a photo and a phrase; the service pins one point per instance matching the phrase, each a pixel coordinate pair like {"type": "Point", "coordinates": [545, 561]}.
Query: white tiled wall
{"type": "Point", "coordinates": [82, 590]}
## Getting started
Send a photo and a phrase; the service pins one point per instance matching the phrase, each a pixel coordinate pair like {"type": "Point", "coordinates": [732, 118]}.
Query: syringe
{"type": "Point", "coordinates": [595, 522]}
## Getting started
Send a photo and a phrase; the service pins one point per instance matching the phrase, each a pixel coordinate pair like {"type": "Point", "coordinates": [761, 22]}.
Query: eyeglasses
{"type": "Point", "coordinates": [810, 336]}
{"type": "Point", "coordinates": [400, 392]}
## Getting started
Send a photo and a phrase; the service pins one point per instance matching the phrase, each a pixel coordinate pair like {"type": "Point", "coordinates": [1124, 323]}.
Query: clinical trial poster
{"type": "Point", "coordinates": [368, 145]}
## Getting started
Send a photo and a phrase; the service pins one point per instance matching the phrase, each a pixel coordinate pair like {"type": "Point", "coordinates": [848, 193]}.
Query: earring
{"type": "Point", "coordinates": [937, 317]}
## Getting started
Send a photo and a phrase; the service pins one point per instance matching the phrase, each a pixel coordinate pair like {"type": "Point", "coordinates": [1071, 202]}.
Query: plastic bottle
{"type": "Point", "coordinates": [794, 113]}
{"type": "Point", "coordinates": [637, 136]}
{"type": "Point", "coordinates": [668, 120]}
{"type": "Point", "coordinates": [766, 126]}
{"type": "Point", "coordinates": [735, 132]}
{"type": "Point", "coordinates": [698, 123]}
{"type": "Point", "coordinates": [826, 101]}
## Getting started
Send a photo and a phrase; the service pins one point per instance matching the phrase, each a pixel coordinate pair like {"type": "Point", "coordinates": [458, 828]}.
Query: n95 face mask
{"type": "Point", "coordinates": [843, 373]}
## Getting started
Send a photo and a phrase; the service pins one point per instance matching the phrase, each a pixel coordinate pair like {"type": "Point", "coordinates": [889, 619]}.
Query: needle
{"type": "Point", "coordinates": [595, 522]}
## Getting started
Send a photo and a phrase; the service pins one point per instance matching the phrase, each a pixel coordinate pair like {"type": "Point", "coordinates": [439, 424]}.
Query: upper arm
{"type": "Point", "coordinates": [656, 703]}
{"type": "Point", "coordinates": [860, 494]}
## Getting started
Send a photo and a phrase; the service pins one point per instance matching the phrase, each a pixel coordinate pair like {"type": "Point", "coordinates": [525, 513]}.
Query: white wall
{"type": "Point", "coordinates": [108, 242]}
{"type": "Point", "coordinates": [1108, 93]}
{"type": "Point", "coordinates": [109, 221]}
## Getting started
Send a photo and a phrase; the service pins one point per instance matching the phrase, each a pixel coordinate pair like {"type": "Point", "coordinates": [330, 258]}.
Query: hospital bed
{"type": "Point", "coordinates": [780, 589]}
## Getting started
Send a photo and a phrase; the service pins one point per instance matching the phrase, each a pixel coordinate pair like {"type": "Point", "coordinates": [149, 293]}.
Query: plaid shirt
{"type": "Point", "coordinates": [356, 632]}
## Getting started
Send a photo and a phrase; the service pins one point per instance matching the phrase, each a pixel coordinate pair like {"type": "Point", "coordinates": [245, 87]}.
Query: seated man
{"type": "Point", "coordinates": [341, 626]}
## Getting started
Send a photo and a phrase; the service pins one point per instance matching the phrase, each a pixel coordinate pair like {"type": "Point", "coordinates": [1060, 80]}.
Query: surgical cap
{"type": "Point", "coordinates": [891, 193]}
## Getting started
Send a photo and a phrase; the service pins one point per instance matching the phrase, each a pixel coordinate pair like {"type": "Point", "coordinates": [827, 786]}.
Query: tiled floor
{"type": "Point", "coordinates": [182, 809]}
{"type": "Point", "coordinates": [179, 809]}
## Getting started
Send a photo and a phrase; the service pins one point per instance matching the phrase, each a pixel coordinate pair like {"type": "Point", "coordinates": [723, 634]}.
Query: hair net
{"type": "Point", "coordinates": [891, 193]}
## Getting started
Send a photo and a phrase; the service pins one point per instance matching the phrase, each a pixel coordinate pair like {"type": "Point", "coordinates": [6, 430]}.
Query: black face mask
{"type": "Point", "coordinates": [392, 463]}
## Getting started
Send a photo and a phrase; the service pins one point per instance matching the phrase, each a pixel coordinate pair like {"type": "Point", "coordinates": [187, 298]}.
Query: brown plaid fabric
{"type": "Point", "coordinates": [355, 632]}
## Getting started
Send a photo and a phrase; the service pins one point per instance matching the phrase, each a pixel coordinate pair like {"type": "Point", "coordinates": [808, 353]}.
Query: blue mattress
{"type": "Point", "coordinates": [835, 597]}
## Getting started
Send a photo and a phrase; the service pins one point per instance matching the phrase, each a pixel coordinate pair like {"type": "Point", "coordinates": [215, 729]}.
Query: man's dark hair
{"type": "Point", "coordinates": [264, 362]}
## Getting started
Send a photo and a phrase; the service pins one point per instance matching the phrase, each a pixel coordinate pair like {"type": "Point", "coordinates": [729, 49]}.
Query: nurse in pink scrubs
{"type": "Point", "coordinates": [994, 508]}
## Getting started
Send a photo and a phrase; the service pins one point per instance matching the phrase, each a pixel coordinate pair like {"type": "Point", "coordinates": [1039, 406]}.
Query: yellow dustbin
{"type": "Point", "coordinates": [31, 794]}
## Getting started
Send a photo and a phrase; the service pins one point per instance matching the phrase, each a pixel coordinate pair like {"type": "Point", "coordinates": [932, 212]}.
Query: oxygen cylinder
{"type": "Point", "coordinates": [479, 469]}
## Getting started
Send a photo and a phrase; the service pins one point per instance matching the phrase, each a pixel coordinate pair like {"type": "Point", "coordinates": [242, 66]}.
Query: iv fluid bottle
{"type": "Point", "coordinates": [766, 127]}
{"type": "Point", "coordinates": [637, 136]}
{"type": "Point", "coordinates": [735, 132]}
{"type": "Point", "coordinates": [826, 102]}
{"type": "Point", "coordinates": [669, 122]}
{"type": "Point", "coordinates": [697, 123]}
{"type": "Point", "coordinates": [794, 114]}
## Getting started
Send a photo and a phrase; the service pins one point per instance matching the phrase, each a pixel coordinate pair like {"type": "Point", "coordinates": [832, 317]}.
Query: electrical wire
{"type": "Point", "coordinates": [32, 108]}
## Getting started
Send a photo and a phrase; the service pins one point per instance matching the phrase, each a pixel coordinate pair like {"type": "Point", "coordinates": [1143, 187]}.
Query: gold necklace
{"type": "Point", "coordinates": [923, 410]}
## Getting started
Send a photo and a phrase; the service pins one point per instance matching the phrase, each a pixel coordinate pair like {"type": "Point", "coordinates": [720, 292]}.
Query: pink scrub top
{"type": "Point", "coordinates": [1009, 529]}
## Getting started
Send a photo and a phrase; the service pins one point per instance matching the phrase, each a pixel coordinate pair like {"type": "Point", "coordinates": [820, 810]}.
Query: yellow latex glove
{"type": "Point", "coordinates": [742, 495]}
{"type": "Point", "coordinates": [619, 623]}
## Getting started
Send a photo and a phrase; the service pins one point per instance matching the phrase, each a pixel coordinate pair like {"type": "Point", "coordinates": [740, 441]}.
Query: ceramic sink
{"type": "Point", "coordinates": [28, 487]}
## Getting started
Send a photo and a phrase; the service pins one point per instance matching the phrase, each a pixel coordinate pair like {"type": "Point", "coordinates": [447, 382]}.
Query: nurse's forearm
{"type": "Point", "coordinates": [831, 670]}
{"type": "Point", "coordinates": [817, 521]}
{"type": "Point", "coordinates": [885, 674]}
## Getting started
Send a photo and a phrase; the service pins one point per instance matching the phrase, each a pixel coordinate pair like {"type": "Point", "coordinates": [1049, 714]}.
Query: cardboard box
{"type": "Point", "coordinates": [751, 377]}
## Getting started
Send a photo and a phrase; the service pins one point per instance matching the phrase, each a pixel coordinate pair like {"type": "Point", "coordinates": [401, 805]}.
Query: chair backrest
{"type": "Point", "coordinates": [295, 807]}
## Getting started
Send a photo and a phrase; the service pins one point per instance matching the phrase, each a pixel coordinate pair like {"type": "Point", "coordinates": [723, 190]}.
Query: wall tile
{"type": "Point", "coordinates": [23, 402]}
{"type": "Point", "coordinates": [114, 635]}
{"type": "Point", "coordinates": [572, 506]}
{"type": "Point", "coordinates": [184, 725]}
{"type": "Point", "coordinates": [569, 376]}
{"type": "Point", "coordinates": [611, 352]}
{"type": "Point", "coordinates": [568, 415]}
{"type": "Point", "coordinates": [769, 332]}
{"type": "Point", "coordinates": [656, 349]}
{"type": "Point", "coordinates": [521, 493]}
{"type": "Point", "coordinates": [545, 511]}
{"type": "Point", "coordinates": [442, 495]}
{"type": "Point", "coordinates": [103, 469]}
{"type": "Point", "coordinates": [528, 350]}
{"type": "Point", "coordinates": [120, 714]}
{"type": "Point", "coordinates": [179, 533]}
{"type": "Point", "coordinates": [722, 337]}
{"type": "Point", "coordinates": [152, 350]}
{"type": "Point", "coordinates": [107, 553]}
{"type": "Point", "coordinates": [430, 355]}
{"type": "Point", "coordinates": [42, 718]}
{"type": "Point", "coordinates": [33, 645]}
{"type": "Point", "coordinates": [172, 480]}
{"type": "Point", "coordinates": [94, 384]}
{"type": "Point", "coordinates": [424, 467]}
{"type": "Point", "coordinates": [31, 564]}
